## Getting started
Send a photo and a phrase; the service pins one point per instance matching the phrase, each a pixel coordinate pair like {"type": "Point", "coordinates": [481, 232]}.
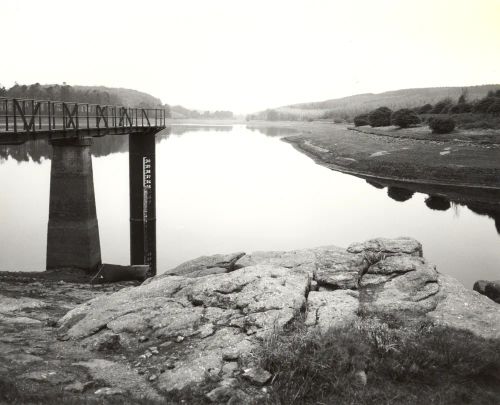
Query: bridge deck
{"type": "Point", "coordinates": [22, 119]}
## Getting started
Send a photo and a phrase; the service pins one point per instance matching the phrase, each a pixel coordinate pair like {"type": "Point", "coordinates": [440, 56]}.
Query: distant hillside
{"type": "Point", "coordinates": [180, 112]}
{"type": "Point", "coordinates": [362, 103]}
{"type": "Point", "coordinates": [126, 97]}
{"type": "Point", "coordinates": [107, 96]}
{"type": "Point", "coordinates": [82, 94]}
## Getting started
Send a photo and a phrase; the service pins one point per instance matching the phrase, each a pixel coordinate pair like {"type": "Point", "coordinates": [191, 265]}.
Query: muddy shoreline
{"type": "Point", "coordinates": [462, 159]}
{"type": "Point", "coordinates": [299, 145]}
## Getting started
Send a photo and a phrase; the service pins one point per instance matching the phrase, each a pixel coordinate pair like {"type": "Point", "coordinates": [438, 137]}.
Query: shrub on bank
{"type": "Point", "coordinates": [461, 108]}
{"type": "Point", "coordinates": [404, 118]}
{"type": "Point", "coordinates": [404, 362]}
{"type": "Point", "coordinates": [442, 125]}
{"type": "Point", "coordinates": [494, 108]}
{"type": "Point", "coordinates": [425, 109]}
{"type": "Point", "coordinates": [381, 117]}
{"type": "Point", "coordinates": [443, 106]}
{"type": "Point", "coordinates": [483, 105]}
{"type": "Point", "coordinates": [469, 120]}
{"type": "Point", "coordinates": [360, 120]}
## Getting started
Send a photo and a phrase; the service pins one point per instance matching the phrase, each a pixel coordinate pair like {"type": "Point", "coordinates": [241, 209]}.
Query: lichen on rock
{"type": "Point", "coordinates": [207, 316]}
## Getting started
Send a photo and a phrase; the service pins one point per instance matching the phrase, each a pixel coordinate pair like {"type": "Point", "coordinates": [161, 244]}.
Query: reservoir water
{"type": "Point", "coordinates": [227, 189]}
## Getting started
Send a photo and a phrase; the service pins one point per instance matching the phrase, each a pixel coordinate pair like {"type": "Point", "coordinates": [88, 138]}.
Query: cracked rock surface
{"type": "Point", "coordinates": [202, 320]}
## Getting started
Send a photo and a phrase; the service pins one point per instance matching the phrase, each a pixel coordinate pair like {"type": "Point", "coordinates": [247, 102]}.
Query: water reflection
{"type": "Point", "coordinates": [34, 150]}
{"type": "Point", "coordinates": [37, 150]}
{"type": "Point", "coordinates": [399, 193]}
{"type": "Point", "coordinates": [440, 198]}
{"type": "Point", "coordinates": [438, 203]}
{"type": "Point", "coordinates": [484, 208]}
{"type": "Point", "coordinates": [182, 129]}
{"type": "Point", "coordinates": [273, 131]}
{"type": "Point", "coordinates": [236, 189]}
{"type": "Point", "coordinates": [375, 184]}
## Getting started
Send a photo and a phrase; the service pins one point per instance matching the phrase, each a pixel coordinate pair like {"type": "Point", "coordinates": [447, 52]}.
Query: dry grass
{"type": "Point", "coordinates": [417, 364]}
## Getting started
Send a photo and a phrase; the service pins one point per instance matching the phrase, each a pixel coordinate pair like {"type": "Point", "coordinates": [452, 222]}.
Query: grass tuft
{"type": "Point", "coordinates": [406, 363]}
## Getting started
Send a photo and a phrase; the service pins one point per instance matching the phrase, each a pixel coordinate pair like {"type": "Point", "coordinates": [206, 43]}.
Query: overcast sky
{"type": "Point", "coordinates": [249, 55]}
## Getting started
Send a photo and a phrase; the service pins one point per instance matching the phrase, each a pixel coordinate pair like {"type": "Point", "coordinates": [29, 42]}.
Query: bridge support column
{"type": "Point", "coordinates": [142, 200]}
{"type": "Point", "coordinates": [73, 231]}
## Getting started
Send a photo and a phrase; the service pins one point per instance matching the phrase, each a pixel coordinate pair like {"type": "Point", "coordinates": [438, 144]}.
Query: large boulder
{"type": "Point", "coordinates": [205, 317]}
{"type": "Point", "coordinates": [489, 288]}
{"type": "Point", "coordinates": [410, 284]}
{"type": "Point", "coordinates": [295, 259]}
{"type": "Point", "coordinates": [330, 266]}
{"type": "Point", "coordinates": [202, 317]}
{"type": "Point", "coordinates": [388, 247]}
{"type": "Point", "coordinates": [206, 265]}
{"type": "Point", "coordinates": [461, 308]}
{"type": "Point", "coordinates": [337, 268]}
{"type": "Point", "coordinates": [331, 309]}
{"type": "Point", "coordinates": [171, 306]}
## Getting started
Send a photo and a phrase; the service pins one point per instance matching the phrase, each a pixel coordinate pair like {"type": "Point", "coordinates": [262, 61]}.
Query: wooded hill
{"type": "Point", "coordinates": [348, 107]}
{"type": "Point", "coordinates": [104, 96]}
{"type": "Point", "coordinates": [82, 94]}
{"type": "Point", "coordinates": [127, 97]}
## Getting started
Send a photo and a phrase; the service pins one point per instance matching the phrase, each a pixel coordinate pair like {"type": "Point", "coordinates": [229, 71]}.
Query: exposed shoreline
{"type": "Point", "coordinates": [298, 144]}
{"type": "Point", "coordinates": [461, 160]}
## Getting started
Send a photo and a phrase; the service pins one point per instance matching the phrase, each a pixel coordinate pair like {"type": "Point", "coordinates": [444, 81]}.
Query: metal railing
{"type": "Point", "coordinates": [36, 116]}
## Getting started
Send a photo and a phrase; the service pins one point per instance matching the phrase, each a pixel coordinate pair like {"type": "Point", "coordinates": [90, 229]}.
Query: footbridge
{"type": "Point", "coordinates": [69, 127]}
{"type": "Point", "coordinates": [23, 119]}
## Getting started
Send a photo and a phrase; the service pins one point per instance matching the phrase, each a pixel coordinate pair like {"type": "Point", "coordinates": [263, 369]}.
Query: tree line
{"type": "Point", "coordinates": [442, 117]}
{"type": "Point", "coordinates": [65, 92]}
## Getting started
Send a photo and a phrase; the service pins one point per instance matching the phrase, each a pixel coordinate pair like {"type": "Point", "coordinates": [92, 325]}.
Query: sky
{"type": "Point", "coordinates": [246, 56]}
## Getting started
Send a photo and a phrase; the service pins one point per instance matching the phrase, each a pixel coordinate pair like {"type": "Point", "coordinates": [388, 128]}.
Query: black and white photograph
{"type": "Point", "coordinates": [266, 202]}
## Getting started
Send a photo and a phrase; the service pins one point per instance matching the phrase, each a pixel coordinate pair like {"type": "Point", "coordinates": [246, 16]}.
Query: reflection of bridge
{"type": "Point", "coordinates": [73, 232]}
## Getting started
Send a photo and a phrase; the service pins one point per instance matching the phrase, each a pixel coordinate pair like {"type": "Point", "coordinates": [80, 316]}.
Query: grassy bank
{"type": "Point", "coordinates": [416, 364]}
{"type": "Point", "coordinates": [482, 137]}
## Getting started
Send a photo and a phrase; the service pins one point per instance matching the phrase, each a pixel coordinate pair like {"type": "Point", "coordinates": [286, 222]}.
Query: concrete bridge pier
{"type": "Point", "coordinates": [73, 231]}
{"type": "Point", "coordinates": [142, 199]}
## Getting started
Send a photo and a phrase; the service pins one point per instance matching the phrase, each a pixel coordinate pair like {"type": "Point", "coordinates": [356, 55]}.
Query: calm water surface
{"type": "Point", "coordinates": [234, 189]}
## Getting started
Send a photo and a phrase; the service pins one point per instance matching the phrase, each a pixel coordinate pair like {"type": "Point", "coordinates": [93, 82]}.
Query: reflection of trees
{"type": "Point", "coordinates": [39, 149]}
{"type": "Point", "coordinates": [182, 129]}
{"type": "Point", "coordinates": [273, 131]}
{"type": "Point", "coordinates": [400, 194]}
{"type": "Point", "coordinates": [375, 184]}
{"type": "Point", "coordinates": [480, 201]}
{"type": "Point", "coordinates": [438, 203]}
{"type": "Point", "coordinates": [490, 210]}
{"type": "Point", "coordinates": [109, 144]}
{"type": "Point", "coordinates": [34, 150]}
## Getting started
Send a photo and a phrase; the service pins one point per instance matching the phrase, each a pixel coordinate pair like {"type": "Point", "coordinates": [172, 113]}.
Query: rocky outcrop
{"type": "Point", "coordinates": [203, 319]}
{"type": "Point", "coordinates": [400, 284]}
{"type": "Point", "coordinates": [462, 308]}
{"type": "Point", "coordinates": [388, 247]}
{"type": "Point", "coordinates": [211, 320]}
{"type": "Point", "coordinates": [205, 265]}
{"type": "Point", "coordinates": [489, 288]}
{"type": "Point", "coordinates": [330, 309]}
{"type": "Point", "coordinates": [19, 310]}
